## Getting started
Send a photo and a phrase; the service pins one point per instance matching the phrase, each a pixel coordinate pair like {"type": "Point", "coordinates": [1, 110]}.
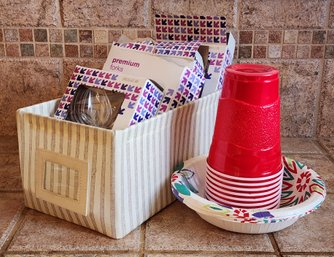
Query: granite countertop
{"type": "Point", "coordinates": [174, 231]}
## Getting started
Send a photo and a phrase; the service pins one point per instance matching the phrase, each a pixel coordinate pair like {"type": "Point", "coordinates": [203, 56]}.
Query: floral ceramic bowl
{"type": "Point", "coordinates": [303, 191]}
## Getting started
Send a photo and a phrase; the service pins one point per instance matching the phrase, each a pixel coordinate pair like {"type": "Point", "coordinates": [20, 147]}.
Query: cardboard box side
{"type": "Point", "coordinates": [146, 155]}
{"type": "Point", "coordinates": [93, 145]}
{"type": "Point", "coordinates": [130, 169]}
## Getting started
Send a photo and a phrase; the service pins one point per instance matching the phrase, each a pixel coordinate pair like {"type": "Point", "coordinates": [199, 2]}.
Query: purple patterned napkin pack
{"type": "Point", "coordinates": [142, 79]}
{"type": "Point", "coordinates": [211, 31]}
{"type": "Point", "coordinates": [142, 97]}
{"type": "Point", "coordinates": [178, 67]}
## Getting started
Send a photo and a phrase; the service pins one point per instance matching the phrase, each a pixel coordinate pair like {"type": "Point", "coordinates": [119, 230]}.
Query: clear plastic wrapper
{"type": "Point", "coordinates": [95, 107]}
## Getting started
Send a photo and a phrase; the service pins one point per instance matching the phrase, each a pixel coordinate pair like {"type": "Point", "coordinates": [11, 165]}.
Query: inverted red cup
{"type": "Point", "coordinates": [246, 140]}
{"type": "Point", "coordinates": [264, 181]}
{"type": "Point", "coordinates": [274, 204]}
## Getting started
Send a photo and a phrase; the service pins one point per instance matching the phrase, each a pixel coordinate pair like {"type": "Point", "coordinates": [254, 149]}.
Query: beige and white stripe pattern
{"type": "Point", "coordinates": [61, 180]}
{"type": "Point", "coordinates": [129, 169]}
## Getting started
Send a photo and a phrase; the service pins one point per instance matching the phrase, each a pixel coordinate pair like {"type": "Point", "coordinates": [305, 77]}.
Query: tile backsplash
{"type": "Point", "coordinates": [42, 41]}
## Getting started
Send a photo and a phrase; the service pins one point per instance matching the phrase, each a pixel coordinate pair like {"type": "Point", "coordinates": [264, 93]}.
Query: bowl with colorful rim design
{"type": "Point", "coordinates": [303, 191]}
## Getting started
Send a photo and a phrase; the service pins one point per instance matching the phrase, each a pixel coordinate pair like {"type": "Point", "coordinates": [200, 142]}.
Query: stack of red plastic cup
{"type": "Point", "coordinates": [244, 166]}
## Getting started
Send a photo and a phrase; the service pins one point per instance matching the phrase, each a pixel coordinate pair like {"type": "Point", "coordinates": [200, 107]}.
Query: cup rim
{"type": "Point", "coordinates": [273, 198]}
{"type": "Point", "coordinates": [242, 189]}
{"type": "Point", "coordinates": [246, 184]}
{"type": "Point", "coordinates": [238, 198]}
{"type": "Point", "coordinates": [262, 205]}
{"type": "Point", "coordinates": [270, 207]}
{"type": "Point", "coordinates": [250, 194]}
{"type": "Point", "coordinates": [248, 179]}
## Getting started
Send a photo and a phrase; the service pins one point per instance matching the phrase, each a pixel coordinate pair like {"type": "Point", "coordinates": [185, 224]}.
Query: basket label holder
{"type": "Point", "coordinates": [78, 204]}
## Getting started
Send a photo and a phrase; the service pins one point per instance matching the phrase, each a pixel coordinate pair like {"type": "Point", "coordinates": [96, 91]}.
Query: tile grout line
{"type": "Point", "coordinates": [308, 253]}
{"type": "Point", "coordinates": [181, 252]}
{"type": "Point", "coordinates": [187, 252]}
{"type": "Point", "coordinates": [275, 244]}
{"type": "Point", "coordinates": [16, 228]}
{"type": "Point", "coordinates": [72, 252]}
{"type": "Point", "coordinates": [325, 150]}
{"type": "Point", "coordinates": [319, 97]}
{"type": "Point", "coordinates": [142, 239]}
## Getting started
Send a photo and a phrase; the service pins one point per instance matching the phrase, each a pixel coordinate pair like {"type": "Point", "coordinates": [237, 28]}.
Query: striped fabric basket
{"type": "Point", "coordinates": [110, 181]}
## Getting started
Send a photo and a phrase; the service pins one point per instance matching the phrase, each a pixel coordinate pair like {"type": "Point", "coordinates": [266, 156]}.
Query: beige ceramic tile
{"type": "Point", "coordinates": [326, 124]}
{"type": "Point", "coordinates": [41, 232]}
{"type": "Point", "coordinates": [179, 228]}
{"type": "Point", "coordinates": [11, 205]}
{"type": "Point", "coordinates": [307, 255]}
{"type": "Point", "coordinates": [313, 233]}
{"type": "Point", "coordinates": [125, 13]}
{"type": "Point", "coordinates": [10, 176]}
{"type": "Point", "coordinates": [321, 164]}
{"type": "Point", "coordinates": [8, 144]}
{"type": "Point", "coordinates": [300, 81]}
{"type": "Point", "coordinates": [328, 144]}
{"type": "Point", "coordinates": [331, 15]}
{"type": "Point", "coordinates": [282, 14]}
{"type": "Point", "coordinates": [74, 255]}
{"type": "Point", "coordinates": [209, 255]}
{"type": "Point", "coordinates": [27, 82]}
{"type": "Point", "coordinates": [30, 13]}
{"type": "Point", "coordinates": [100, 36]}
{"type": "Point", "coordinates": [299, 145]}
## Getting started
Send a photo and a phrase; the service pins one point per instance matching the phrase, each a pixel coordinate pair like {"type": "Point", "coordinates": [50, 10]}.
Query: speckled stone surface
{"type": "Point", "coordinates": [261, 37]}
{"type": "Point", "coordinates": [11, 205]}
{"type": "Point", "coordinates": [226, 8]}
{"type": "Point", "coordinates": [300, 82]}
{"type": "Point", "coordinates": [222, 254]}
{"type": "Point", "coordinates": [290, 36]}
{"type": "Point", "coordinates": [33, 81]}
{"type": "Point", "coordinates": [130, 13]}
{"type": "Point", "coordinates": [260, 51]}
{"type": "Point", "coordinates": [328, 144]}
{"type": "Point", "coordinates": [309, 255]}
{"type": "Point", "coordinates": [326, 125]}
{"type": "Point", "coordinates": [299, 145]}
{"type": "Point", "coordinates": [41, 232]}
{"type": "Point", "coordinates": [313, 233]}
{"type": "Point", "coordinates": [8, 144]}
{"type": "Point", "coordinates": [174, 229]}
{"type": "Point", "coordinates": [75, 255]}
{"type": "Point", "coordinates": [303, 51]}
{"type": "Point", "coordinates": [282, 14]}
{"type": "Point", "coordinates": [331, 15]}
{"type": "Point", "coordinates": [274, 51]}
{"type": "Point", "coordinates": [10, 176]}
{"type": "Point", "coordinates": [36, 13]}
{"type": "Point", "coordinates": [11, 35]}
{"type": "Point", "coordinates": [42, 50]}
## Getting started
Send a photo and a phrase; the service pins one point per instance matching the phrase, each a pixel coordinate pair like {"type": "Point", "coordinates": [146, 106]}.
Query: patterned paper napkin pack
{"type": "Point", "coordinates": [178, 67]}
{"type": "Point", "coordinates": [211, 31]}
{"type": "Point", "coordinates": [187, 62]}
{"type": "Point", "coordinates": [142, 97]}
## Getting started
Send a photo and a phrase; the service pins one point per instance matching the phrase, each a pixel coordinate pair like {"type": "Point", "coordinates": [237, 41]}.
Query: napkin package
{"type": "Point", "coordinates": [178, 67]}
{"type": "Point", "coordinates": [142, 97]}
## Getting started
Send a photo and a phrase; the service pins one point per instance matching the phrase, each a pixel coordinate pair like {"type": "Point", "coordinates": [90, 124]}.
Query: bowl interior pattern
{"type": "Point", "coordinates": [303, 191]}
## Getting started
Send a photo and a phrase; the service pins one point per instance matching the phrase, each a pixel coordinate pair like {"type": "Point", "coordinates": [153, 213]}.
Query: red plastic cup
{"type": "Point", "coordinates": [246, 140]}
